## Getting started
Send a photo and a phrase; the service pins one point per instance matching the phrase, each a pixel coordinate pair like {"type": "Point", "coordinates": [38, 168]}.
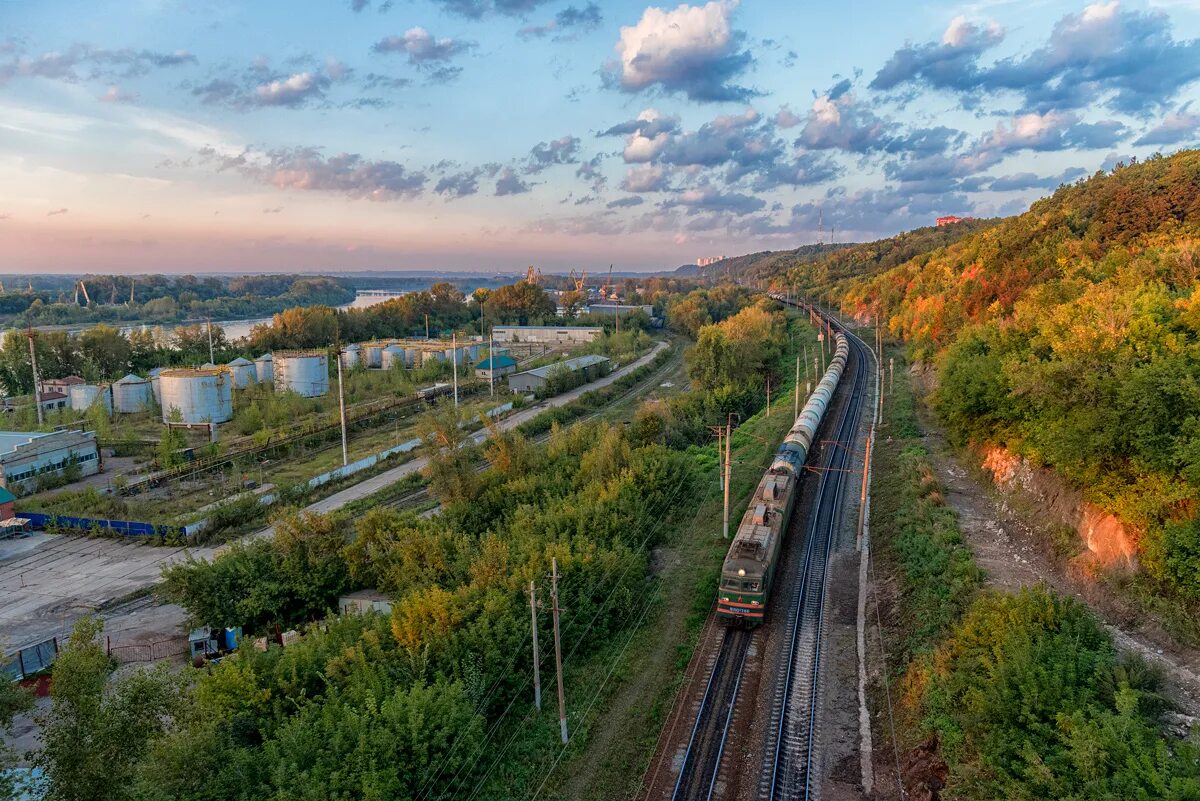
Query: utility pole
{"type": "Point", "coordinates": [37, 384]}
{"type": "Point", "coordinates": [211, 359]}
{"type": "Point", "coordinates": [562, 701]}
{"type": "Point", "coordinates": [427, 325]}
{"type": "Point", "coordinates": [342, 404]}
{"type": "Point", "coordinates": [768, 396]}
{"type": "Point", "coordinates": [796, 400]}
{"type": "Point", "coordinates": [728, 437]}
{"type": "Point", "coordinates": [537, 673]}
{"type": "Point", "coordinates": [454, 349]}
{"type": "Point", "coordinates": [492, 367]}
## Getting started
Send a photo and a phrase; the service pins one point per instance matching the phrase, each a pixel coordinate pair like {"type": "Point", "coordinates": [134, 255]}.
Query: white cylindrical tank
{"type": "Point", "coordinates": [428, 356]}
{"type": "Point", "coordinates": [374, 354]}
{"type": "Point", "coordinates": [196, 397]}
{"type": "Point", "coordinates": [83, 396]}
{"type": "Point", "coordinates": [265, 367]}
{"type": "Point", "coordinates": [243, 372]}
{"type": "Point", "coordinates": [303, 372]}
{"type": "Point", "coordinates": [351, 356]}
{"type": "Point", "coordinates": [156, 385]}
{"type": "Point", "coordinates": [392, 356]}
{"type": "Point", "coordinates": [132, 394]}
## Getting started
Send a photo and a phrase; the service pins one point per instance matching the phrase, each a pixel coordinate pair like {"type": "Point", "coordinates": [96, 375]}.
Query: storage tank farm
{"type": "Point", "coordinates": [83, 396]}
{"type": "Point", "coordinates": [243, 371]}
{"type": "Point", "coordinates": [351, 355]}
{"type": "Point", "coordinates": [132, 394]}
{"type": "Point", "coordinates": [264, 366]}
{"type": "Point", "coordinates": [391, 356]}
{"type": "Point", "coordinates": [305, 372]}
{"type": "Point", "coordinates": [156, 385]}
{"type": "Point", "coordinates": [196, 397]}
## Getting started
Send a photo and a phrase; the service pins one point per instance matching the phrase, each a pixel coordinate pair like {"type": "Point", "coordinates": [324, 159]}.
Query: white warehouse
{"type": "Point", "coordinates": [546, 334]}
{"type": "Point", "coordinates": [25, 455]}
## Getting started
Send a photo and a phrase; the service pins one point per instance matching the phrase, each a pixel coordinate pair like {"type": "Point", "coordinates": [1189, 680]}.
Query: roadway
{"type": "Point", "coordinates": [47, 582]}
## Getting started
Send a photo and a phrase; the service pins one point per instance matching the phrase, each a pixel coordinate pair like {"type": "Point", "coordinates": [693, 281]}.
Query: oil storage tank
{"type": "Point", "coordinates": [132, 394]}
{"type": "Point", "coordinates": [351, 356]}
{"type": "Point", "coordinates": [243, 372]}
{"type": "Point", "coordinates": [392, 356]}
{"type": "Point", "coordinates": [84, 396]}
{"type": "Point", "coordinates": [264, 366]}
{"type": "Point", "coordinates": [196, 397]}
{"type": "Point", "coordinates": [374, 354]}
{"type": "Point", "coordinates": [155, 385]}
{"type": "Point", "coordinates": [305, 372]}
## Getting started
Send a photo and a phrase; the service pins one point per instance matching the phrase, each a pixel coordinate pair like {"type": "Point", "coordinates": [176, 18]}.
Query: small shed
{"type": "Point", "coordinates": [7, 499]}
{"type": "Point", "coordinates": [497, 366]}
{"type": "Point", "coordinates": [363, 601]}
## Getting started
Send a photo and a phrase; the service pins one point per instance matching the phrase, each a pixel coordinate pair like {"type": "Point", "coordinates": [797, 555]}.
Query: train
{"type": "Point", "coordinates": [749, 568]}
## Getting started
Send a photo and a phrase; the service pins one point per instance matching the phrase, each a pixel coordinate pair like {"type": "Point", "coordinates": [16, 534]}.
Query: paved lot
{"type": "Point", "coordinates": [47, 582]}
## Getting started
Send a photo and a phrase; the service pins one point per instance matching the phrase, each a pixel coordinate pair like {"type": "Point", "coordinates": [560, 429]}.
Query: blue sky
{"type": "Point", "coordinates": [490, 134]}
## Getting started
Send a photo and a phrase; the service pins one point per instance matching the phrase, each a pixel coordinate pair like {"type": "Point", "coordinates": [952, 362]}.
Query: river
{"type": "Point", "coordinates": [234, 329]}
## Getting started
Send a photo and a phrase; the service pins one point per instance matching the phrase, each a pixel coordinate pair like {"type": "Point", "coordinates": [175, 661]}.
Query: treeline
{"type": "Point", "coordinates": [377, 706]}
{"type": "Point", "coordinates": [162, 299]}
{"type": "Point", "coordinates": [1006, 695]}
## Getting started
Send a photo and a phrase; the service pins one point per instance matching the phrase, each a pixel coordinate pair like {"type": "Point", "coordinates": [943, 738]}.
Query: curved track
{"type": "Point", "coordinates": [791, 771]}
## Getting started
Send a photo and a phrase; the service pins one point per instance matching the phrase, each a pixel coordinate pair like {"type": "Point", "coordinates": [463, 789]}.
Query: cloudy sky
{"type": "Point", "coordinates": [160, 135]}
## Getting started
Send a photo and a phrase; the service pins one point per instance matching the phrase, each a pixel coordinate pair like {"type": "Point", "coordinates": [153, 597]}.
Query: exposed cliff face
{"type": "Point", "coordinates": [1109, 542]}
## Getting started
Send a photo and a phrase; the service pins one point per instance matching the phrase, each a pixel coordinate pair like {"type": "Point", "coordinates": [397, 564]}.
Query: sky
{"type": "Point", "coordinates": [485, 135]}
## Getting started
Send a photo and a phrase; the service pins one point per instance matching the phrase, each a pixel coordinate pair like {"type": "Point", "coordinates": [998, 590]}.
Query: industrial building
{"type": "Point", "coordinates": [546, 334]}
{"type": "Point", "coordinates": [618, 308]}
{"type": "Point", "coordinates": [26, 455]}
{"type": "Point", "coordinates": [196, 397]}
{"type": "Point", "coordinates": [62, 385]}
{"type": "Point", "coordinates": [533, 380]}
{"type": "Point", "coordinates": [497, 365]}
{"type": "Point", "coordinates": [305, 372]}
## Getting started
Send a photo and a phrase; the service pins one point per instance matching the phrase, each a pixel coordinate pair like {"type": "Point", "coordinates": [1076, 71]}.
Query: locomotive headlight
{"type": "Point", "coordinates": [741, 571]}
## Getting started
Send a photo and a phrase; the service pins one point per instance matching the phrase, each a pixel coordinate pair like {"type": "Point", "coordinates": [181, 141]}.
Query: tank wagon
{"type": "Point", "coordinates": [132, 394]}
{"type": "Point", "coordinates": [196, 397]}
{"type": "Point", "coordinates": [243, 372]}
{"type": "Point", "coordinates": [749, 567]}
{"type": "Point", "coordinates": [305, 372]}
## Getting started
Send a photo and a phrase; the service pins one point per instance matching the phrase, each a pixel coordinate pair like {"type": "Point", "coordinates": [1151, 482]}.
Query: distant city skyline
{"type": "Point", "coordinates": [484, 135]}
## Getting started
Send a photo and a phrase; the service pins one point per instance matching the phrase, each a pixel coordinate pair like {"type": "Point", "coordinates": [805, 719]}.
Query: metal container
{"type": "Point", "coordinates": [428, 356]}
{"type": "Point", "coordinates": [196, 397]}
{"type": "Point", "coordinates": [84, 396]}
{"type": "Point", "coordinates": [243, 371]}
{"type": "Point", "coordinates": [392, 356]}
{"type": "Point", "coordinates": [265, 367]}
{"type": "Point", "coordinates": [351, 356]}
{"type": "Point", "coordinates": [374, 354]}
{"type": "Point", "coordinates": [132, 394]}
{"type": "Point", "coordinates": [156, 385]}
{"type": "Point", "coordinates": [304, 372]}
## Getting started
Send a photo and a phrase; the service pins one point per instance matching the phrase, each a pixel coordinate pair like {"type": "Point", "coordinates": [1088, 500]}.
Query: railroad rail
{"type": "Point", "coordinates": [791, 771]}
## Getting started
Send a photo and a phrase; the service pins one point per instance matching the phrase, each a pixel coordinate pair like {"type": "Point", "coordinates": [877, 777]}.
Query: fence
{"type": "Point", "coordinates": [31, 659]}
{"type": "Point", "coordinates": [147, 652]}
{"type": "Point", "coordinates": [129, 528]}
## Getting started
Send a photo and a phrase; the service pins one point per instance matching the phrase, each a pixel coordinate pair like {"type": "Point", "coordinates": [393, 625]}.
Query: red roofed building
{"type": "Point", "coordinates": [951, 219]}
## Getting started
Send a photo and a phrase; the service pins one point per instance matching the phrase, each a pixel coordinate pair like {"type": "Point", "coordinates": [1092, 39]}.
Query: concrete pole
{"type": "Point", "coordinates": [492, 367]}
{"type": "Point", "coordinates": [562, 702]}
{"type": "Point", "coordinates": [454, 348]}
{"type": "Point", "coordinates": [37, 384]}
{"type": "Point", "coordinates": [211, 358]}
{"type": "Point", "coordinates": [796, 399]}
{"type": "Point", "coordinates": [728, 438]}
{"type": "Point", "coordinates": [342, 407]}
{"type": "Point", "coordinates": [537, 673]}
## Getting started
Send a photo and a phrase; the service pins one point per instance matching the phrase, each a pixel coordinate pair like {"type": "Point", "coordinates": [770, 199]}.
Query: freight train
{"type": "Point", "coordinates": [749, 567]}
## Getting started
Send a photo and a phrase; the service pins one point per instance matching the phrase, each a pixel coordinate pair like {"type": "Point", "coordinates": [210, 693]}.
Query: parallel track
{"type": "Point", "coordinates": [706, 745]}
{"type": "Point", "coordinates": [793, 737]}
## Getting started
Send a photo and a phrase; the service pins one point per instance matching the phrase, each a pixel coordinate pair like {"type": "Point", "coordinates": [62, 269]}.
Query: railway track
{"type": "Point", "coordinates": [792, 771]}
{"type": "Point", "coordinates": [706, 745]}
